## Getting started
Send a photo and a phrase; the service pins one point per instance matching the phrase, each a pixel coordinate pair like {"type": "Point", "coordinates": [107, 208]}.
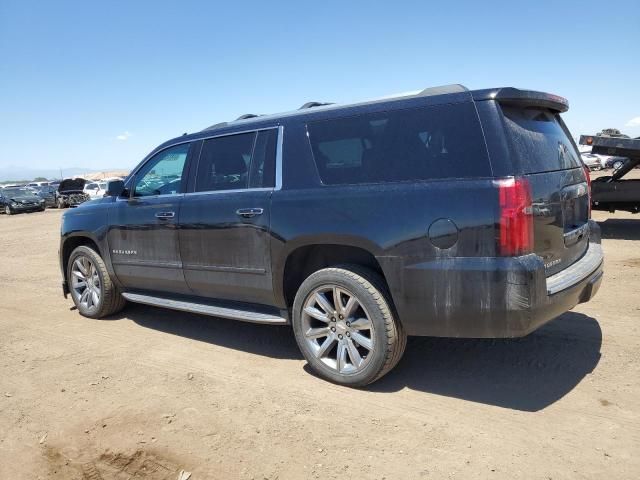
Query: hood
{"type": "Point", "coordinates": [72, 184]}
{"type": "Point", "coordinates": [20, 197]}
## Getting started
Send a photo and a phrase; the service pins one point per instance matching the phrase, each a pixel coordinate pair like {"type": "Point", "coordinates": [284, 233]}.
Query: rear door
{"type": "Point", "coordinates": [143, 235]}
{"type": "Point", "coordinates": [225, 218]}
{"type": "Point", "coordinates": [542, 151]}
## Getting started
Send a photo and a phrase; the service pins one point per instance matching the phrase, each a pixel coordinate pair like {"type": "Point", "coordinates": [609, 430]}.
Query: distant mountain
{"type": "Point", "coordinates": [13, 172]}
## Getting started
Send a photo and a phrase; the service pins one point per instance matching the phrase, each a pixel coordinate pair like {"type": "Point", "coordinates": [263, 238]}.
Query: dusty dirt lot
{"type": "Point", "coordinates": [150, 392]}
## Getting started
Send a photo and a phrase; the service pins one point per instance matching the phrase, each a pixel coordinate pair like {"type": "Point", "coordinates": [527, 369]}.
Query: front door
{"type": "Point", "coordinates": [224, 219]}
{"type": "Point", "coordinates": [143, 235]}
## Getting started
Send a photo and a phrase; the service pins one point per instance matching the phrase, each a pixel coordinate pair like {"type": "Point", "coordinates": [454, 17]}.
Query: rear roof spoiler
{"type": "Point", "coordinates": [529, 98]}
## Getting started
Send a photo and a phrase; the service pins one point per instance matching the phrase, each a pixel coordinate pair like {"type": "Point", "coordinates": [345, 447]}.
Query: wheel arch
{"type": "Point", "coordinates": [303, 260]}
{"type": "Point", "coordinates": [70, 243]}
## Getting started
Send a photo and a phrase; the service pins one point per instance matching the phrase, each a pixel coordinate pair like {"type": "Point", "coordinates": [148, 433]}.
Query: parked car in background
{"type": "Point", "coordinates": [48, 194]}
{"type": "Point", "coordinates": [95, 189]}
{"type": "Point", "coordinates": [17, 200]}
{"type": "Point", "coordinates": [592, 162]}
{"type": "Point", "coordinates": [71, 193]}
{"type": "Point", "coordinates": [615, 162]}
{"type": "Point", "coordinates": [450, 213]}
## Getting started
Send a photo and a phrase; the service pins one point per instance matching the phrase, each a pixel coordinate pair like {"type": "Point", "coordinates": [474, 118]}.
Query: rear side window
{"type": "Point", "coordinates": [539, 139]}
{"type": "Point", "coordinates": [263, 161]}
{"type": "Point", "coordinates": [224, 163]}
{"type": "Point", "coordinates": [237, 162]}
{"type": "Point", "coordinates": [403, 145]}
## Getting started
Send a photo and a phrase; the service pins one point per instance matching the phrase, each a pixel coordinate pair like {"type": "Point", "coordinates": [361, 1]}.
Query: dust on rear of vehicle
{"type": "Point", "coordinates": [543, 153]}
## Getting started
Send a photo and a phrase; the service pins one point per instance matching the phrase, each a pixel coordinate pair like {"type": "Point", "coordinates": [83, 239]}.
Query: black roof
{"type": "Point", "coordinates": [427, 92]}
{"type": "Point", "coordinates": [430, 96]}
{"type": "Point", "coordinates": [455, 92]}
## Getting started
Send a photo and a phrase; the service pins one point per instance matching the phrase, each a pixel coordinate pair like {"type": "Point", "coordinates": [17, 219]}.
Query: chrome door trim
{"type": "Point", "coordinates": [278, 185]}
{"type": "Point", "coordinates": [208, 137]}
{"type": "Point", "coordinates": [149, 197]}
{"type": "Point", "coordinates": [235, 190]}
{"type": "Point", "coordinates": [278, 182]}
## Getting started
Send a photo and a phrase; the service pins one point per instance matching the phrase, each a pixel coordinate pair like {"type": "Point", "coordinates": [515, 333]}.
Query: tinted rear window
{"type": "Point", "coordinates": [415, 144]}
{"type": "Point", "coordinates": [539, 139]}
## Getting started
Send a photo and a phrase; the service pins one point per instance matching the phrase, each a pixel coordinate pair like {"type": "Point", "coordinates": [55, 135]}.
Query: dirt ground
{"type": "Point", "coordinates": [150, 392]}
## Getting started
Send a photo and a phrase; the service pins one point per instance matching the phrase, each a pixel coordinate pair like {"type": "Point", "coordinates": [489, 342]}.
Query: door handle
{"type": "Point", "coordinates": [249, 212]}
{"type": "Point", "coordinates": [165, 215]}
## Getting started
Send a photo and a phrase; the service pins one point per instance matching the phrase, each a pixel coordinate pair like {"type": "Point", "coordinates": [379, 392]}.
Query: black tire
{"type": "Point", "coordinates": [111, 301]}
{"type": "Point", "coordinates": [371, 293]}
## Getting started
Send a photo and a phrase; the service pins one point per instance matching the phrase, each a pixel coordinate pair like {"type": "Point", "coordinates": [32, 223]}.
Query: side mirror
{"type": "Point", "coordinates": [115, 188]}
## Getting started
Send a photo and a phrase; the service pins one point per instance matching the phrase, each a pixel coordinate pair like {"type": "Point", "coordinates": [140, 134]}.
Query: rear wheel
{"type": "Point", "coordinates": [345, 327]}
{"type": "Point", "coordinates": [92, 290]}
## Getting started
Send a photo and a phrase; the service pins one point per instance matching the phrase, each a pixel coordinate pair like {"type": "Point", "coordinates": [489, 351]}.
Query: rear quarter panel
{"type": "Point", "coordinates": [391, 221]}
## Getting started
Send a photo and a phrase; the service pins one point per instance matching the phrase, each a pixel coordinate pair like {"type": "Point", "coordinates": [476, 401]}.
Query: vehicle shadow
{"type": "Point", "coordinates": [620, 228]}
{"type": "Point", "coordinates": [525, 374]}
{"type": "Point", "coordinates": [274, 341]}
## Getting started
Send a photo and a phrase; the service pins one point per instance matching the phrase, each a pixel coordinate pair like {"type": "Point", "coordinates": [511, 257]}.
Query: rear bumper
{"type": "Point", "coordinates": [490, 297]}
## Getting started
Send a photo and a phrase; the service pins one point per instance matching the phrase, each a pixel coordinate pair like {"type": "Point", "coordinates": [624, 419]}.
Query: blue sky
{"type": "Point", "coordinates": [99, 84]}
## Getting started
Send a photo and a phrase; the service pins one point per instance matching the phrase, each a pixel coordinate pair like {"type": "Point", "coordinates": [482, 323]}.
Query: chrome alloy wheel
{"type": "Point", "coordinates": [85, 283]}
{"type": "Point", "coordinates": [337, 328]}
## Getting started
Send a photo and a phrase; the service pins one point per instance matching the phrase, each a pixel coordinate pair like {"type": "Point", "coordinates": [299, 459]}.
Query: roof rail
{"type": "Point", "coordinates": [217, 125]}
{"type": "Point", "coordinates": [314, 104]}
{"type": "Point", "coordinates": [442, 90]}
{"type": "Point", "coordinates": [427, 92]}
{"type": "Point", "coordinates": [245, 116]}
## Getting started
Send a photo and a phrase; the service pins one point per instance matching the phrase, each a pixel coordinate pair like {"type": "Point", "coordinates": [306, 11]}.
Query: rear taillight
{"type": "Point", "coordinates": [587, 174]}
{"type": "Point", "coordinates": [515, 235]}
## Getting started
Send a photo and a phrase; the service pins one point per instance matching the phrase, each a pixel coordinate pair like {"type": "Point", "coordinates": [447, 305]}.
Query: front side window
{"type": "Point", "coordinates": [162, 175]}
{"type": "Point", "coordinates": [237, 162]}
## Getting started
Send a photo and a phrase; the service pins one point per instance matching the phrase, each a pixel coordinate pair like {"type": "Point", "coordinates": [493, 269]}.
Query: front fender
{"type": "Point", "coordinates": [82, 225]}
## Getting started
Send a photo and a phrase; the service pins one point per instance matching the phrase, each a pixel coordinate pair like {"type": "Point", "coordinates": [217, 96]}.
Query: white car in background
{"type": "Point", "coordinates": [95, 189]}
{"type": "Point", "coordinates": [591, 161]}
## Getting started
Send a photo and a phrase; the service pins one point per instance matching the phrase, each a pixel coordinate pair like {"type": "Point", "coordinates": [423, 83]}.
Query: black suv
{"type": "Point", "coordinates": [448, 212]}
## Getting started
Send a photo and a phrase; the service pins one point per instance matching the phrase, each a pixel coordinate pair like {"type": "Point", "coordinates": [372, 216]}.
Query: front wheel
{"type": "Point", "coordinates": [92, 290]}
{"type": "Point", "coordinates": [345, 327]}
{"type": "Point", "coordinates": [8, 210]}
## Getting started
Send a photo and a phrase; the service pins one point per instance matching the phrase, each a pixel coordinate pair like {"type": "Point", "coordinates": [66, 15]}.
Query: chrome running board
{"type": "Point", "coordinates": [211, 309]}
